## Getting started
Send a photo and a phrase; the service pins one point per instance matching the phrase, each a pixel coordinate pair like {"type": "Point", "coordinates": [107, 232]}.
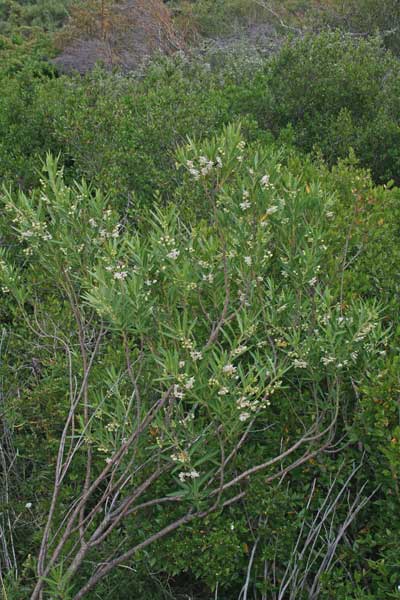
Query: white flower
{"type": "Point", "coordinates": [209, 277]}
{"type": "Point", "coordinates": [243, 402]}
{"type": "Point", "coordinates": [173, 255]}
{"type": "Point", "coordinates": [28, 505]}
{"type": "Point", "coordinates": [223, 391]}
{"type": "Point", "coordinates": [190, 383]}
{"type": "Point", "coordinates": [92, 222]}
{"type": "Point", "coordinates": [300, 364]}
{"type": "Point", "coordinates": [204, 264]}
{"type": "Point", "coordinates": [115, 231]}
{"type": "Point", "coordinates": [265, 181]}
{"type": "Point", "coordinates": [196, 355]}
{"type": "Point", "coordinates": [120, 274]}
{"type": "Point", "coordinates": [243, 298]}
{"type": "Point", "coordinates": [181, 364]}
{"type": "Point", "coordinates": [326, 360]}
{"type": "Point", "coordinates": [247, 260]}
{"type": "Point", "coordinates": [271, 210]}
{"type": "Point", "coordinates": [239, 350]}
{"type": "Point", "coordinates": [195, 173]}
{"type": "Point", "coordinates": [245, 205]}
{"type": "Point", "coordinates": [193, 474]}
{"type": "Point", "coordinates": [246, 195]}
{"type": "Point", "coordinates": [187, 343]}
{"type": "Point", "coordinates": [313, 281]}
{"type": "Point", "coordinates": [178, 393]}
{"type": "Point", "coordinates": [229, 369]}
{"type": "Point", "coordinates": [205, 170]}
{"type": "Point", "coordinates": [244, 416]}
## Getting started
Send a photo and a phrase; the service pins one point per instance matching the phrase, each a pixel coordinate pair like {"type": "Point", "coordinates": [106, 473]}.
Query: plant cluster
{"type": "Point", "coordinates": [199, 321]}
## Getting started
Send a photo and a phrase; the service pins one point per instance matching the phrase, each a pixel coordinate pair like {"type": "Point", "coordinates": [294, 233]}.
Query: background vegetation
{"type": "Point", "coordinates": [201, 253]}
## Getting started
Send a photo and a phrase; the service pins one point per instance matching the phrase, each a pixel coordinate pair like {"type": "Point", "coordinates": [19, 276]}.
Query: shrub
{"type": "Point", "coordinates": [338, 92]}
{"type": "Point", "coordinates": [107, 128]}
{"type": "Point", "coordinates": [194, 355]}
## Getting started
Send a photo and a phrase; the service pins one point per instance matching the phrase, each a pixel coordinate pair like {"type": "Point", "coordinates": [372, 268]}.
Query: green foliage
{"type": "Point", "coordinates": [296, 345]}
{"type": "Point", "coordinates": [119, 133]}
{"type": "Point", "coordinates": [338, 92]}
{"type": "Point", "coordinates": [48, 15]}
{"type": "Point", "coordinates": [219, 17]}
{"type": "Point", "coordinates": [364, 17]}
{"type": "Point", "coordinates": [148, 252]}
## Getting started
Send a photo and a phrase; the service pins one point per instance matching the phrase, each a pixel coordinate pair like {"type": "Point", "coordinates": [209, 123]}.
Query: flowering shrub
{"type": "Point", "coordinates": [198, 354]}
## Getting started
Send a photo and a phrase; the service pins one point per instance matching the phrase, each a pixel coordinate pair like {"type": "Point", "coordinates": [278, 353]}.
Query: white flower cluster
{"type": "Point", "coordinates": [120, 275]}
{"type": "Point", "coordinates": [209, 277]}
{"type": "Point", "coordinates": [196, 355]}
{"type": "Point", "coordinates": [204, 167]}
{"type": "Point", "coordinates": [173, 254]}
{"type": "Point", "coordinates": [229, 370]}
{"type": "Point", "coordinates": [245, 205]}
{"type": "Point", "coordinates": [185, 384]}
{"type": "Point", "coordinates": [272, 209]}
{"type": "Point", "coordinates": [181, 456]}
{"type": "Point", "coordinates": [187, 343]}
{"type": "Point", "coordinates": [248, 405]}
{"type": "Point", "coordinates": [35, 229]}
{"type": "Point", "coordinates": [169, 243]}
{"type": "Point", "coordinates": [193, 474]}
{"type": "Point", "coordinates": [300, 364]}
{"type": "Point", "coordinates": [244, 416]}
{"type": "Point", "coordinates": [239, 350]}
{"type": "Point", "coordinates": [327, 360]}
{"type": "Point", "coordinates": [265, 182]}
{"type": "Point", "coordinates": [112, 426]}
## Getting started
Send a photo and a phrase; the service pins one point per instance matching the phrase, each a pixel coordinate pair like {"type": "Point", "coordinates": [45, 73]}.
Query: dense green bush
{"type": "Point", "coordinates": [119, 133]}
{"type": "Point", "coordinates": [363, 18]}
{"type": "Point", "coordinates": [291, 262]}
{"type": "Point", "coordinates": [212, 18]}
{"type": "Point", "coordinates": [338, 92]}
{"type": "Point", "coordinates": [231, 294]}
{"type": "Point", "coordinates": [42, 14]}
{"type": "Point", "coordinates": [327, 93]}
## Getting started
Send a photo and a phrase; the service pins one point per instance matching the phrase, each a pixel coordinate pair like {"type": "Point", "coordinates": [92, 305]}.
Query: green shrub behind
{"type": "Point", "coordinates": [338, 92]}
